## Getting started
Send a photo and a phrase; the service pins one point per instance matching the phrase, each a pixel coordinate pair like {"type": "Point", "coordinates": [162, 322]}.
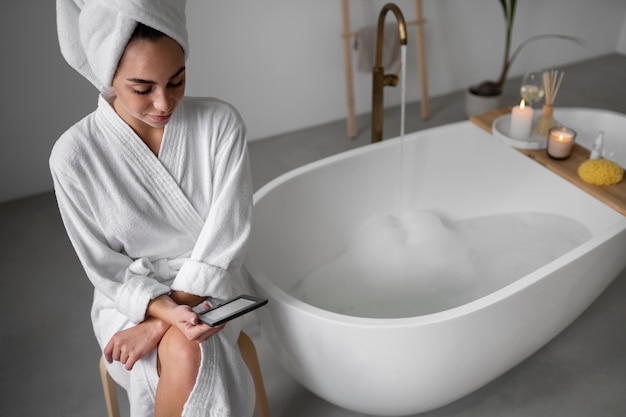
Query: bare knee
{"type": "Point", "coordinates": [178, 361]}
{"type": "Point", "coordinates": [179, 357]}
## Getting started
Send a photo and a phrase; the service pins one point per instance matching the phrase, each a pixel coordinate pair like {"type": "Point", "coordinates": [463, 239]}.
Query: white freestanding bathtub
{"type": "Point", "coordinates": [407, 365]}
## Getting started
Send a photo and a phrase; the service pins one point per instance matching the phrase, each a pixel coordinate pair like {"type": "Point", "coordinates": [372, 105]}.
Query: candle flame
{"type": "Point", "coordinates": [522, 104]}
{"type": "Point", "coordinates": [560, 138]}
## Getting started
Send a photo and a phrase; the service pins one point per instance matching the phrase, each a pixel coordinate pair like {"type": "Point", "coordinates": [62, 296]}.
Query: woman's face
{"type": "Point", "coordinates": [149, 83]}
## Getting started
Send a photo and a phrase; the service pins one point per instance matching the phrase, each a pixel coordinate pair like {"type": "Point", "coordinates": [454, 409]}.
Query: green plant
{"type": "Point", "coordinates": [492, 88]}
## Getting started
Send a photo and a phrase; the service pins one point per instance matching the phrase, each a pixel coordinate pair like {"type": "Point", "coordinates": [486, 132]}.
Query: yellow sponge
{"type": "Point", "coordinates": [600, 172]}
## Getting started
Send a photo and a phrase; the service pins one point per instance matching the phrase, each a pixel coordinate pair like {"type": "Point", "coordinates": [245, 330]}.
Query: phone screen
{"type": "Point", "coordinates": [231, 310]}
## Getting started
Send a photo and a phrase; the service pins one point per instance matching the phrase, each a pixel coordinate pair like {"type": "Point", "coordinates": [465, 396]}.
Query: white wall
{"type": "Point", "coordinates": [621, 44]}
{"type": "Point", "coordinates": [41, 96]}
{"type": "Point", "coordinates": [280, 62]}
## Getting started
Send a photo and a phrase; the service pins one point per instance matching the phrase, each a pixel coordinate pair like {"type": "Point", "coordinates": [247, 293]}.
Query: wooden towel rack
{"type": "Point", "coordinates": [347, 35]}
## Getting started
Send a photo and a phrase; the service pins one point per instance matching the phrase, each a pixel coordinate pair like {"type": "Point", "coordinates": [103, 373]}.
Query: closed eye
{"type": "Point", "coordinates": [143, 92]}
{"type": "Point", "coordinates": [177, 84]}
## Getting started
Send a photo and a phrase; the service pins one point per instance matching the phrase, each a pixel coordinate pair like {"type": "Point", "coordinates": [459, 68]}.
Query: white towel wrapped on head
{"type": "Point", "coordinates": [93, 33]}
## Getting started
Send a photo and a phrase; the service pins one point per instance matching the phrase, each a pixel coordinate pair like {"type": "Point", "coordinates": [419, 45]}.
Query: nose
{"type": "Point", "coordinates": [163, 101]}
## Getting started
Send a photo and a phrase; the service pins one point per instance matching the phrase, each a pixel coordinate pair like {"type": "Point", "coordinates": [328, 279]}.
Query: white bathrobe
{"type": "Point", "coordinates": [143, 226]}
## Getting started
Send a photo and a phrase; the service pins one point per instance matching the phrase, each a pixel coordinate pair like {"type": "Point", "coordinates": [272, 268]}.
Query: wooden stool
{"type": "Point", "coordinates": [249, 355]}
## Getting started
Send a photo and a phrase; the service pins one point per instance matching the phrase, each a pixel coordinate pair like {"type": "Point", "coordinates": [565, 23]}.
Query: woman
{"type": "Point", "coordinates": [155, 194]}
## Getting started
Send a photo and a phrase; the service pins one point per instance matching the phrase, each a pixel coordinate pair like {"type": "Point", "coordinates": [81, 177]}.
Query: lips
{"type": "Point", "coordinates": [161, 118]}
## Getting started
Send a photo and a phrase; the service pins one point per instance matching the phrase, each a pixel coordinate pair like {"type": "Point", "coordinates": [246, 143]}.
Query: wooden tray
{"type": "Point", "coordinates": [612, 195]}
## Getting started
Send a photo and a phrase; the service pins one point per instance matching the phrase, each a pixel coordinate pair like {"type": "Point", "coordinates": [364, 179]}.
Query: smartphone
{"type": "Point", "coordinates": [231, 309]}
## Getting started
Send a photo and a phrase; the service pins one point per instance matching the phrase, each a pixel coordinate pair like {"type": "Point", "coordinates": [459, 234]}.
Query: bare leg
{"type": "Point", "coordinates": [179, 361]}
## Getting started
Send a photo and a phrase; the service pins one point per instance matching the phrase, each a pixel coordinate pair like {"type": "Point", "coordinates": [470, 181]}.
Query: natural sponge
{"type": "Point", "coordinates": [600, 172]}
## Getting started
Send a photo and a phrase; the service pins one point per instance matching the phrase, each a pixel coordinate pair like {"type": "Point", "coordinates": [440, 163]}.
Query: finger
{"type": "Point", "coordinates": [107, 353]}
{"type": "Point", "coordinates": [130, 362]}
{"type": "Point", "coordinates": [210, 333]}
{"type": "Point", "coordinates": [206, 335]}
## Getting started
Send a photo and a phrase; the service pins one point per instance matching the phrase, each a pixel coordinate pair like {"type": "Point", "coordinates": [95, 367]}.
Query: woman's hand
{"type": "Point", "coordinates": [183, 317]}
{"type": "Point", "coordinates": [188, 323]}
{"type": "Point", "coordinates": [130, 345]}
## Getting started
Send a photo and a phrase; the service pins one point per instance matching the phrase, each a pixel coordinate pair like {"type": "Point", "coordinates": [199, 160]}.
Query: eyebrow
{"type": "Point", "coordinates": [142, 81]}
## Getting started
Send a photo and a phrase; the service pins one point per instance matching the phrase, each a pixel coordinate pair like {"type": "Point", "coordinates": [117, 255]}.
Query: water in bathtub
{"type": "Point", "coordinates": [419, 264]}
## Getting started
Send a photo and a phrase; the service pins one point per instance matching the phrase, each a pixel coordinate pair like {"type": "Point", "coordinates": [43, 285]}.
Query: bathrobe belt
{"type": "Point", "coordinates": [164, 270]}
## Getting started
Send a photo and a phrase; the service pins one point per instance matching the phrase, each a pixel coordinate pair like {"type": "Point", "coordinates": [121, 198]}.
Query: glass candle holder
{"type": "Point", "coordinates": [560, 142]}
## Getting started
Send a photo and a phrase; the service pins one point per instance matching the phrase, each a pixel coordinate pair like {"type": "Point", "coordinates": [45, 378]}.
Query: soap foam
{"type": "Point", "coordinates": [417, 264]}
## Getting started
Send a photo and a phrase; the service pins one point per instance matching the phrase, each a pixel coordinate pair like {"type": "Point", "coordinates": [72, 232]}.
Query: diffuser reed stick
{"type": "Point", "coordinates": [551, 84]}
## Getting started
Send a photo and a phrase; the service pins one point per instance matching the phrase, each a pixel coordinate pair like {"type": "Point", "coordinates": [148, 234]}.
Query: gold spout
{"type": "Point", "coordinates": [380, 79]}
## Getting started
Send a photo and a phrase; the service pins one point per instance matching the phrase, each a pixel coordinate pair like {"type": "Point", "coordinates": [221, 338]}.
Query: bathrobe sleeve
{"type": "Point", "coordinates": [126, 282]}
{"type": "Point", "coordinates": [221, 246]}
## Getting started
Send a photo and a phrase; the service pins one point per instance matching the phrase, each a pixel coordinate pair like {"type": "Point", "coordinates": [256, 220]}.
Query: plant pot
{"type": "Point", "coordinates": [475, 104]}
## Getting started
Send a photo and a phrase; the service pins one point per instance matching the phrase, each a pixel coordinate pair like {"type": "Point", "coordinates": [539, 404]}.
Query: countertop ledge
{"type": "Point", "coordinates": [612, 195]}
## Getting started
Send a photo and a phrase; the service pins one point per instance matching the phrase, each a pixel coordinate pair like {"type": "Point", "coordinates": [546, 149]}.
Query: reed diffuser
{"type": "Point", "coordinates": [551, 83]}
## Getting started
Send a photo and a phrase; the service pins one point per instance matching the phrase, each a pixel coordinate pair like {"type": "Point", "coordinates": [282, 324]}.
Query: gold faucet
{"type": "Point", "coordinates": [380, 79]}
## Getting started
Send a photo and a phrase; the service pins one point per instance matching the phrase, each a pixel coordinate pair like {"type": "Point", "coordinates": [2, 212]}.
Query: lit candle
{"type": "Point", "coordinates": [560, 142]}
{"type": "Point", "coordinates": [521, 121]}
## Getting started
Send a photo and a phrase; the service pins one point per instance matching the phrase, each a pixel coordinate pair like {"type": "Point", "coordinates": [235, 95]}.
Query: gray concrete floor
{"type": "Point", "coordinates": [49, 355]}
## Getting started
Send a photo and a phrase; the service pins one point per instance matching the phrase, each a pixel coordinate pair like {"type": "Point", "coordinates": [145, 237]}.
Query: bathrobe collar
{"type": "Point", "coordinates": [161, 173]}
